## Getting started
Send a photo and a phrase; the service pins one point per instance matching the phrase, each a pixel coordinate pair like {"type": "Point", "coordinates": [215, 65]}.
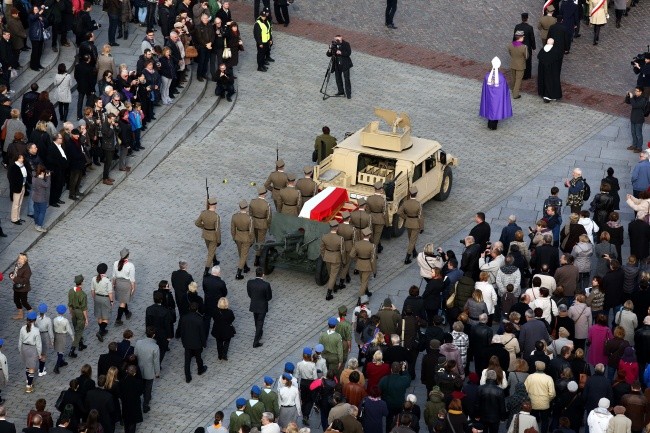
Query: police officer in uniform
{"type": "Point", "coordinates": [210, 223]}
{"type": "Point", "coordinates": [332, 251]}
{"type": "Point", "coordinates": [78, 306]}
{"type": "Point", "coordinates": [366, 264]}
{"type": "Point", "coordinates": [260, 210]}
{"type": "Point", "coordinates": [290, 198]}
{"type": "Point", "coordinates": [307, 187]}
{"type": "Point", "coordinates": [263, 40]}
{"type": "Point", "coordinates": [276, 181]}
{"type": "Point", "coordinates": [241, 229]}
{"type": "Point", "coordinates": [411, 212]}
{"type": "Point", "coordinates": [346, 231]}
{"type": "Point", "coordinates": [360, 219]}
{"type": "Point", "coordinates": [378, 208]}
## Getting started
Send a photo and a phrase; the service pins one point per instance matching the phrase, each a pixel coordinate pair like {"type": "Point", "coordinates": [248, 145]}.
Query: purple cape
{"type": "Point", "coordinates": [495, 100]}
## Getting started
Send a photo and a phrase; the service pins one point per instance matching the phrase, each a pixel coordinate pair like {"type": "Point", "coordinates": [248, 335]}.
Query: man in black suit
{"type": "Point", "coordinates": [481, 231]}
{"type": "Point", "coordinates": [6, 426]}
{"type": "Point", "coordinates": [108, 360]}
{"type": "Point", "coordinates": [192, 335]}
{"type": "Point", "coordinates": [546, 255]}
{"type": "Point", "coordinates": [469, 259]}
{"type": "Point", "coordinates": [340, 52]}
{"type": "Point", "coordinates": [57, 163]}
{"type": "Point", "coordinates": [161, 319]}
{"type": "Point", "coordinates": [102, 400]}
{"type": "Point", "coordinates": [181, 279]}
{"type": "Point", "coordinates": [529, 41]}
{"type": "Point", "coordinates": [62, 425]}
{"type": "Point", "coordinates": [214, 289]}
{"type": "Point", "coordinates": [260, 293]}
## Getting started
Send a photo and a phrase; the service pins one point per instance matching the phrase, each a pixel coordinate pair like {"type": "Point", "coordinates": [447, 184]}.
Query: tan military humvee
{"type": "Point", "coordinates": [394, 157]}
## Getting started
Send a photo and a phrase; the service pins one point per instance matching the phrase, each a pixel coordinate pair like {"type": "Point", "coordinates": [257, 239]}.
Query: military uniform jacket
{"type": "Point", "coordinates": [332, 249]}
{"type": "Point", "coordinates": [346, 231]}
{"type": "Point", "coordinates": [255, 409]}
{"type": "Point", "coordinates": [260, 210]}
{"type": "Point", "coordinates": [518, 56]}
{"type": "Point", "coordinates": [411, 212]}
{"type": "Point", "coordinates": [238, 419]}
{"type": "Point", "coordinates": [307, 187]}
{"type": "Point", "coordinates": [210, 222]}
{"type": "Point", "coordinates": [377, 207]}
{"type": "Point", "coordinates": [241, 228]}
{"type": "Point", "coordinates": [344, 329]}
{"type": "Point", "coordinates": [360, 219]}
{"type": "Point", "coordinates": [290, 201]}
{"type": "Point", "coordinates": [364, 252]}
{"type": "Point", "coordinates": [270, 400]}
{"type": "Point", "coordinates": [77, 299]}
{"type": "Point", "coordinates": [333, 344]}
{"type": "Point", "coordinates": [544, 24]}
{"type": "Point", "coordinates": [276, 181]}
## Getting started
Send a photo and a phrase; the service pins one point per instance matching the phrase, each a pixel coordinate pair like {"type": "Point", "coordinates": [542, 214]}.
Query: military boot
{"type": "Point", "coordinates": [407, 260]}
{"type": "Point", "coordinates": [329, 296]}
{"type": "Point", "coordinates": [347, 278]}
{"type": "Point", "coordinates": [415, 253]}
{"type": "Point", "coordinates": [206, 271]}
{"type": "Point", "coordinates": [239, 275]}
{"type": "Point", "coordinates": [380, 248]}
{"type": "Point", "coordinates": [368, 293]}
{"type": "Point", "coordinates": [82, 346]}
{"type": "Point", "coordinates": [72, 353]}
{"type": "Point", "coordinates": [246, 268]}
{"type": "Point", "coordinates": [341, 283]}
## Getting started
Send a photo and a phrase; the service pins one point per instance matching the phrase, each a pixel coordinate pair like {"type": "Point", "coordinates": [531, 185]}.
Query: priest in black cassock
{"type": "Point", "coordinates": [548, 71]}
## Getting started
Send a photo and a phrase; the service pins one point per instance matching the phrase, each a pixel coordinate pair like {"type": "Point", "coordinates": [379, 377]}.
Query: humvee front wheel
{"type": "Point", "coordinates": [445, 185]}
{"type": "Point", "coordinates": [266, 259]}
{"type": "Point", "coordinates": [398, 225]}
{"type": "Point", "coordinates": [321, 272]}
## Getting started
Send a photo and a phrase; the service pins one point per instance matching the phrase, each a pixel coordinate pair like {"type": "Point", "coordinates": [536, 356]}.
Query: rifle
{"type": "Point", "coordinates": [408, 184]}
{"type": "Point", "coordinates": [207, 194]}
{"type": "Point", "coordinates": [277, 153]}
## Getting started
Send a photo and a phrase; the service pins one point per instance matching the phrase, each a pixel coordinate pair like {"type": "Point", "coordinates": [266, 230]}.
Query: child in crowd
{"type": "Point", "coordinates": [62, 327]}
{"type": "Point", "coordinates": [44, 325]}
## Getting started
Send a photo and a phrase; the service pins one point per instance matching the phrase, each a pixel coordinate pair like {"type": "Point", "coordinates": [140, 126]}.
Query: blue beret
{"type": "Point", "coordinates": [256, 390]}
{"type": "Point", "coordinates": [61, 309]}
{"type": "Point", "coordinates": [289, 367]}
{"type": "Point", "coordinates": [306, 351]}
{"type": "Point", "coordinates": [332, 321]}
{"type": "Point", "coordinates": [31, 315]}
{"type": "Point", "coordinates": [268, 380]}
{"type": "Point", "coordinates": [240, 402]}
{"type": "Point", "coordinates": [319, 348]}
{"type": "Point", "coordinates": [2, 341]}
{"type": "Point", "coordinates": [287, 376]}
{"type": "Point", "coordinates": [42, 308]}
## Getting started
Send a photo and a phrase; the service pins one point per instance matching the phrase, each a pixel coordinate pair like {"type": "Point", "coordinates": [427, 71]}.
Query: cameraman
{"type": "Point", "coordinates": [644, 74]}
{"type": "Point", "coordinates": [340, 51]}
{"type": "Point", "coordinates": [638, 103]}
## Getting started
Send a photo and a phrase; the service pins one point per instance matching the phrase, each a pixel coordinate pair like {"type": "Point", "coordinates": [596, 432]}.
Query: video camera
{"type": "Point", "coordinates": [640, 58]}
{"type": "Point", "coordinates": [334, 47]}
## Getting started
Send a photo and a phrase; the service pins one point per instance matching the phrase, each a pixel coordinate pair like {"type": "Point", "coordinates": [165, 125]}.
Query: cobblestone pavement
{"type": "Point", "coordinates": [152, 212]}
{"type": "Point", "coordinates": [481, 30]}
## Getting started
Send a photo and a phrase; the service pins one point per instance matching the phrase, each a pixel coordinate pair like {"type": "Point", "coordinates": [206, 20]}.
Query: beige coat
{"type": "Point", "coordinates": [541, 390]}
{"type": "Point", "coordinates": [518, 56]}
{"type": "Point", "coordinates": [601, 15]}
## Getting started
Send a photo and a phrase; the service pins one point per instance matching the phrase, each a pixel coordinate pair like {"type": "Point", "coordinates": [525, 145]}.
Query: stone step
{"type": "Point", "coordinates": [50, 60]}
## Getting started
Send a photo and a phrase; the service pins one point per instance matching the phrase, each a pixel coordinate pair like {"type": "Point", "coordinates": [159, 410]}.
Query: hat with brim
{"type": "Point", "coordinates": [79, 279]}
{"type": "Point", "coordinates": [124, 253]}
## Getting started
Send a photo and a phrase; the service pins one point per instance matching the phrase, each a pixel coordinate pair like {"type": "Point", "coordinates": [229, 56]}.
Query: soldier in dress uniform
{"type": "Point", "coordinates": [411, 212]}
{"type": "Point", "coordinates": [307, 187]}
{"type": "Point", "coordinates": [276, 181]}
{"type": "Point", "coordinates": [346, 231]}
{"type": "Point", "coordinates": [366, 264]}
{"type": "Point", "coordinates": [210, 222]}
{"type": "Point", "coordinates": [241, 229]}
{"type": "Point", "coordinates": [290, 199]}
{"type": "Point", "coordinates": [360, 219]}
{"type": "Point", "coordinates": [378, 208]}
{"type": "Point", "coordinates": [260, 210]}
{"type": "Point", "coordinates": [332, 251]}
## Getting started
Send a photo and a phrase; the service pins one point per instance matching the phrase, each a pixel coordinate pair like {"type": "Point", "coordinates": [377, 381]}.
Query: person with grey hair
{"type": "Point", "coordinates": [531, 332]}
{"type": "Point", "coordinates": [352, 365]}
{"type": "Point", "coordinates": [268, 424]}
{"type": "Point", "coordinates": [576, 187]}
{"type": "Point", "coordinates": [470, 258]}
{"type": "Point", "coordinates": [480, 337]}
{"type": "Point", "coordinates": [491, 261]}
{"type": "Point", "coordinates": [508, 232]}
{"type": "Point", "coordinates": [546, 254]}
{"type": "Point", "coordinates": [508, 273]}
{"type": "Point", "coordinates": [541, 391]}
{"type": "Point", "coordinates": [490, 403]}
{"type": "Point", "coordinates": [214, 288]}
{"type": "Point", "coordinates": [180, 281]}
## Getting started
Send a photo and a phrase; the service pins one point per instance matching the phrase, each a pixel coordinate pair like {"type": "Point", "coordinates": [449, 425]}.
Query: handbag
{"type": "Point", "coordinates": [227, 52]}
{"type": "Point", "coordinates": [47, 35]}
{"type": "Point", "coordinates": [3, 132]}
{"type": "Point", "coordinates": [452, 298]}
{"type": "Point", "coordinates": [191, 52]}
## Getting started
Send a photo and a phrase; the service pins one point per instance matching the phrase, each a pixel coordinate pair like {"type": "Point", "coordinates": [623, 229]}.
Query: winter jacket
{"type": "Point", "coordinates": [581, 316]}
{"type": "Point", "coordinates": [628, 321]}
{"type": "Point", "coordinates": [508, 274]}
{"type": "Point", "coordinates": [582, 253]}
{"type": "Point", "coordinates": [598, 420]}
{"type": "Point", "coordinates": [490, 403]}
{"type": "Point", "coordinates": [590, 227]}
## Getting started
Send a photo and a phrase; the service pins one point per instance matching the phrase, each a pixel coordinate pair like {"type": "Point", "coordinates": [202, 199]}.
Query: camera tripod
{"type": "Point", "coordinates": [326, 80]}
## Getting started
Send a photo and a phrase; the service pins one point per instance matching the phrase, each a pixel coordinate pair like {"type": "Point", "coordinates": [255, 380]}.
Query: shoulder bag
{"type": "Point", "coordinates": [452, 297]}
{"type": "Point", "coordinates": [451, 426]}
{"type": "Point", "coordinates": [227, 52]}
{"type": "Point", "coordinates": [3, 132]}
{"type": "Point", "coordinates": [191, 52]}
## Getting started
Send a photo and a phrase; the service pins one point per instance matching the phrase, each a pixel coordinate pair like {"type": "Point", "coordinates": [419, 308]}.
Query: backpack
{"type": "Point", "coordinates": [646, 108]}
{"type": "Point", "coordinates": [586, 191]}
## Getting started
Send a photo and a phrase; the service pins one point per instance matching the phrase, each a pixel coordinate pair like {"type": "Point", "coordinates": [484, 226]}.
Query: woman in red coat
{"type": "Point", "coordinates": [376, 369]}
{"type": "Point", "coordinates": [629, 365]}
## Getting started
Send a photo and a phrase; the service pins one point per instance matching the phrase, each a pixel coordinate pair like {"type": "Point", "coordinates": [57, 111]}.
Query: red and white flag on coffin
{"type": "Point", "coordinates": [324, 204]}
{"type": "Point", "coordinates": [547, 3]}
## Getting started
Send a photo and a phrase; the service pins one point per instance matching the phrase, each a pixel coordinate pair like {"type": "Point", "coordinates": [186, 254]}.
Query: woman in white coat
{"type": "Point", "coordinates": [598, 16]}
{"type": "Point", "coordinates": [62, 83]}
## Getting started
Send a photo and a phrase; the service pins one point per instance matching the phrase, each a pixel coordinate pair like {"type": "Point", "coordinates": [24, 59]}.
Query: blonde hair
{"type": "Point", "coordinates": [584, 238]}
{"type": "Point", "coordinates": [106, 49]}
{"type": "Point", "coordinates": [192, 287]}
{"type": "Point", "coordinates": [484, 276]}
{"type": "Point", "coordinates": [111, 377]}
{"type": "Point", "coordinates": [15, 113]}
{"type": "Point", "coordinates": [477, 295]}
{"type": "Point", "coordinates": [223, 303]}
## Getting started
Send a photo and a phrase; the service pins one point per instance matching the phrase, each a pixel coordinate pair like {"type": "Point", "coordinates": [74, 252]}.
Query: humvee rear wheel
{"type": "Point", "coordinates": [266, 259]}
{"type": "Point", "coordinates": [445, 185]}
{"type": "Point", "coordinates": [321, 272]}
{"type": "Point", "coordinates": [398, 225]}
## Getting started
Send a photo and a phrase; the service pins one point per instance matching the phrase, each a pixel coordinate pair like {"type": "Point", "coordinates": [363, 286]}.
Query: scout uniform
{"type": "Point", "coordinates": [360, 219]}
{"type": "Point", "coordinates": [62, 328]}
{"type": "Point", "coordinates": [377, 207]}
{"type": "Point", "coordinates": [270, 397]}
{"type": "Point", "coordinates": [78, 305]}
{"type": "Point", "coordinates": [290, 200]}
{"type": "Point", "coordinates": [276, 181]}
{"type": "Point", "coordinates": [210, 222]}
{"type": "Point", "coordinates": [346, 231]}
{"type": "Point", "coordinates": [307, 187]}
{"type": "Point", "coordinates": [333, 253]}
{"type": "Point", "coordinates": [238, 418]}
{"type": "Point", "coordinates": [260, 210]}
{"type": "Point", "coordinates": [333, 345]}
{"type": "Point", "coordinates": [44, 325]}
{"type": "Point", "coordinates": [366, 264]}
{"type": "Point", "coordinates": [241, 229]}
{"type": "Point", "coordinates": [344, 329]}
{"type": "Point", "coordinates": [255, 408]}
{"type": "Point", "coordinates": [411, 212]}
